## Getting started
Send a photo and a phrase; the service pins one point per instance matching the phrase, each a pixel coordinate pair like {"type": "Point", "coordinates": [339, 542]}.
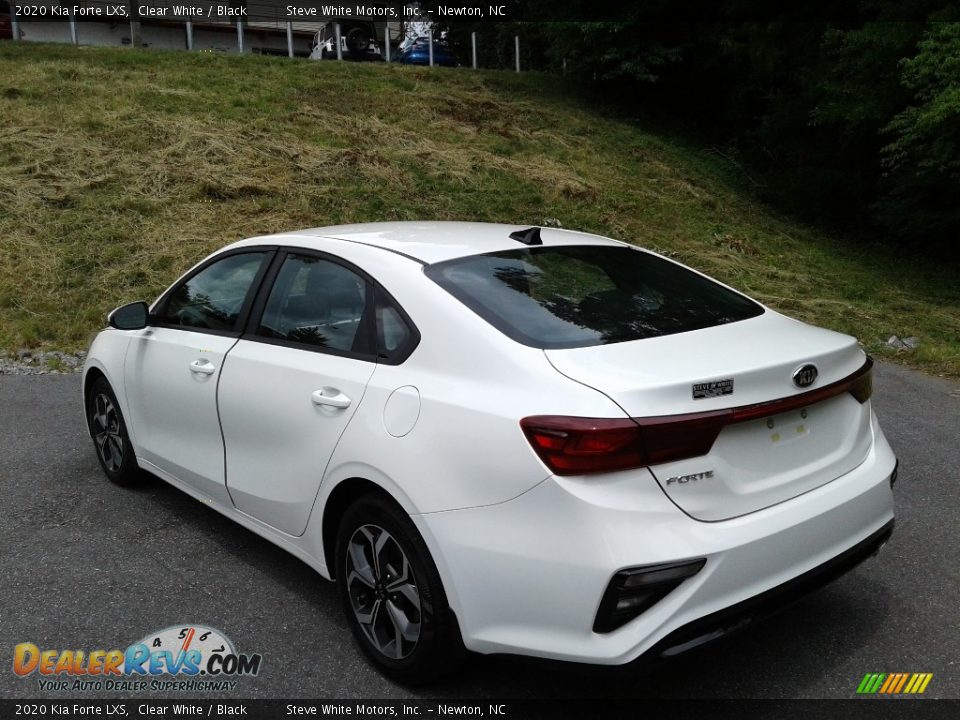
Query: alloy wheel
{"type": "Point", "coordinates": [106, 432]}
{"type": "Point", "coordinates": [383, 591]}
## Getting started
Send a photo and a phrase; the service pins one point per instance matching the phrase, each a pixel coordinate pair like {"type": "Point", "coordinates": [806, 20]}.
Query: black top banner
{"type": "Point", "coordinates": [675, 11]}
{"type": "Point", "coordinates": [263, 10]}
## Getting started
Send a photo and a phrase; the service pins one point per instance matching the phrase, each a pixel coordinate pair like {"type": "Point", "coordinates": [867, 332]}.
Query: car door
{"type": "Point", "coordinates": [172, 368]}
{"type": "Point", "coordinates": [292, 384]}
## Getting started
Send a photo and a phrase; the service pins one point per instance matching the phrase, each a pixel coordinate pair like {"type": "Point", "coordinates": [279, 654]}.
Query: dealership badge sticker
{"type": "Point", "coordinates": [180, 657]}
{"type": "Point", "coordinates": [894, 683]}
{"type": "Point", "coordinates": [712, 389]}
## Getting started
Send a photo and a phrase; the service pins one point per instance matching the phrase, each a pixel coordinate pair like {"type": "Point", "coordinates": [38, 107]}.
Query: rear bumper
{"type": "Point", "coordinates": [739, 616]}
{"type": "Point", "coordinates": [527, 576]}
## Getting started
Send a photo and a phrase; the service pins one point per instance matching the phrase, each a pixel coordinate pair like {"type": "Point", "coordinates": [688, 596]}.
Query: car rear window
{"type": "Point", "coordinates": [585, 295]}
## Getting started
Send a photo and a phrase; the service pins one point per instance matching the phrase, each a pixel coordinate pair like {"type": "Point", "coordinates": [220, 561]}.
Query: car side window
{"type": "Point", "coordinates": [396, 338]}
{"type": "Point", "coordinates": [318, 303]}
{"type": "Point", "coordinates": [213, 298]}
{"type": "Point", "coordinates": [391, 330]}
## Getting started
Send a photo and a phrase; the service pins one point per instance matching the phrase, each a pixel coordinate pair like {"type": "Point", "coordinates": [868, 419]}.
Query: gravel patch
{"type": "Point", "coordinates": [41, 362]}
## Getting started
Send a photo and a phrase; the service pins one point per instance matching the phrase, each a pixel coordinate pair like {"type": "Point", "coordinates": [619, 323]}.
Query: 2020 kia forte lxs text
{"type": "Point", "coordinates": [501, 439]}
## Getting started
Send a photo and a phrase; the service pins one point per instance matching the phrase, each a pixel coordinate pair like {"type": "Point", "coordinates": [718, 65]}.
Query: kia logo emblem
{"type": "Point", "coordinates": [805, 375]}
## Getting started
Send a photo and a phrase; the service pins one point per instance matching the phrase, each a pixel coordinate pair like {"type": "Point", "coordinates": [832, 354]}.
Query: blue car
{"type": "Point", "coordinates": [417, 52]}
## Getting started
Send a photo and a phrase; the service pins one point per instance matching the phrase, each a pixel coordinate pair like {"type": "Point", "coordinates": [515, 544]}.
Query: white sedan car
{"type": "Point", "coordinates": [501, 439]}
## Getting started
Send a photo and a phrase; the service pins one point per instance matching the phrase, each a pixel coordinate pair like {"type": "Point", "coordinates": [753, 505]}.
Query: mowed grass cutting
{"type": "Point", "coordinates": [119, 169]}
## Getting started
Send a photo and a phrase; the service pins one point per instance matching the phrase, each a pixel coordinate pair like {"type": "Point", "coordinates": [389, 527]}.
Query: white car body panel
{"type": "Point", "coordinates": [105, 356]}
{"type": "Point", "coordinates": [529, 584]}
{"type": "Point", "coordinates": [460, 362]}
{"type": "Point", "coordinates": [524, 555]}
{"type": "Point", "coordinates": [279, 382]}
{"type": "Point", "coordinates": [431, 242]}
{"type": "Point", "coordinates": [754, 464]}
{"type": "Point", "coordinates": [175, 413]}
{"type": "Point", "coordinates": [645, 377]}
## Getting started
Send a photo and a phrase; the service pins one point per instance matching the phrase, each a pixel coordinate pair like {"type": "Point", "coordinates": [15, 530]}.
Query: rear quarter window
{"type": "Point", "coordinates": [580, 296]}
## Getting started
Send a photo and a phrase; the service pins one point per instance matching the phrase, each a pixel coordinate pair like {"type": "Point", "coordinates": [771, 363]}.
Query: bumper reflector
{"type": "Point", "coordinates": [635, 590]}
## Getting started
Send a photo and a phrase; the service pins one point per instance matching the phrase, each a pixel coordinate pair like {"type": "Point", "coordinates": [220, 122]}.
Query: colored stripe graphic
{"type": "Point", "coordinates": [891, 680]}
{"type": "Point", "coordinates": [894, 683]}
{"type": "Point", "coordinates": [871, 683]}
{"type": "Point", "coordinates": [903, 681]}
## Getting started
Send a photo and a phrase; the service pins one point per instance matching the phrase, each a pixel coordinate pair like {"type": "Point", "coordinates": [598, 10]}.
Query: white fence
{"type": "Point", "coordinates": [293, 39]}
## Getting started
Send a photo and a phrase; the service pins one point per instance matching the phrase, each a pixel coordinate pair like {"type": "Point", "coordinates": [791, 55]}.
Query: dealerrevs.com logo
{"type": "Point", "coordinates": [187, 658]}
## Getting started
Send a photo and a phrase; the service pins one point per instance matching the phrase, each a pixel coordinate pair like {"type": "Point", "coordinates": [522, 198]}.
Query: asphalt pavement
{"type": "Point", "coordinates": [85, 564]}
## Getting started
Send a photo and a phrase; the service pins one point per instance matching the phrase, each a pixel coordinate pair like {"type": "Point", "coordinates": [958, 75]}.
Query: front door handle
{"type": "Point", "coordinates": [202, 367]}
{"type": "Point", "coordinates": [331, 397]}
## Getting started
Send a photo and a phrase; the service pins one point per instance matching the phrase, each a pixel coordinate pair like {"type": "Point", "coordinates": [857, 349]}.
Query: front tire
{"type": "Point", "coordinates": [392, 594]}
{"type": "Point", "coordinates": [109, 433]}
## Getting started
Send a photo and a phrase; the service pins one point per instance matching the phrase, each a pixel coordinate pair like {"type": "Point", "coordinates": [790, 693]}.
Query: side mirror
{"type": "Point", "coordinates": [129, 317]}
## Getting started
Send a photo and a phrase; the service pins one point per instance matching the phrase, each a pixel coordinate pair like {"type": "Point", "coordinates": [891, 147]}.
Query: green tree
{"type": "Point", "coordinates": [923, 160]}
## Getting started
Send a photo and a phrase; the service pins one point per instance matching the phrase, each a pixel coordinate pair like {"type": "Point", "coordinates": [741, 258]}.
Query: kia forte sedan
{"type": "Point", "coordinates": [502, 439]}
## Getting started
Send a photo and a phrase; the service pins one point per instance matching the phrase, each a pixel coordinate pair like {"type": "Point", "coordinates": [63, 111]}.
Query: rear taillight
{"type": "Point", "coordinates": [581, 446]}
{"type": "Point", "coordinates": [677, 437]}
{"type": "Point", "coordinates": [862, 386]}
{"type": "Point", "coordinates": [578, 445]}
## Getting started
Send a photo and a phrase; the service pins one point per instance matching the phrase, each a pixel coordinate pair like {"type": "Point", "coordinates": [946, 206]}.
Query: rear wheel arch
{"type": "Point", "coordinates": [413, 596]}
{"type": "Point", "coordinates": [350, 489]}
{"type": "Point", "coordinates": [341, 497]}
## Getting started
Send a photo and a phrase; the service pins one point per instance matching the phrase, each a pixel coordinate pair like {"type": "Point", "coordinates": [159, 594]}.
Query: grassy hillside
{"type": "Point", "coordinates": [118, 169]}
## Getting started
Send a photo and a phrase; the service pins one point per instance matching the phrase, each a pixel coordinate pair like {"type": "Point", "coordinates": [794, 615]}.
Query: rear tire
{"type": "Point", "coordinates": [109, 433]}
{"type": "Point", "coordinates": [392, 594]}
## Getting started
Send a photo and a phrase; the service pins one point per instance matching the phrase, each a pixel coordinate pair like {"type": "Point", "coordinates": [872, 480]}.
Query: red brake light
{"type": "Point", "coordinates": [677, 437]}
{"type": "Point", "coordinates": [580, 446]}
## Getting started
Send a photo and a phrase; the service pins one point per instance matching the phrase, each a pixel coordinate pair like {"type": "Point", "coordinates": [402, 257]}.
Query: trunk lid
{"type": "Point", "coordinates": [752, 464]}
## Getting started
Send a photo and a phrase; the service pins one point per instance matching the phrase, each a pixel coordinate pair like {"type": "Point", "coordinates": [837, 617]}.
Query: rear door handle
{"type": "Point", "coordinates": [202, 367]}
{"type": "Point", "coordinates": [331, 397]}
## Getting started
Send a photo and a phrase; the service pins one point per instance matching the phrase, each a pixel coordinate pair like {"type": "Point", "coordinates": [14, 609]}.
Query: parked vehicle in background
{"type": "Point", "coordinates": [416, 51]}
{"type": "Point", "coordinates": [358, 41]}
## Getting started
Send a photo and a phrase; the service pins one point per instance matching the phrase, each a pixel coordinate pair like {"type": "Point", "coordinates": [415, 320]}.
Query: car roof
{"type": "Point", "coordinates": [429, 242]}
